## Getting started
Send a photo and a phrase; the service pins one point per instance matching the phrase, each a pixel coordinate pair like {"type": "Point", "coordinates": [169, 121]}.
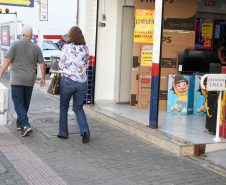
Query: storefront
{"type": "Point", "coordinates": [123, 69]}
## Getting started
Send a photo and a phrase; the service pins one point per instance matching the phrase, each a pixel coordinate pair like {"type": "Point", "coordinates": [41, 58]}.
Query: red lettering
{"type": "Point", "coordinates": [210, 3]}
{"type": "Point", "coordinates": [145, 80]}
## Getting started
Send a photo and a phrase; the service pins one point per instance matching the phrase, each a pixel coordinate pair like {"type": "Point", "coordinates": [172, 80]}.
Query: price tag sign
{"type": "Point", "coordinates": [216, 82]}
{"type": "Point", "coordinates": [44, 10]}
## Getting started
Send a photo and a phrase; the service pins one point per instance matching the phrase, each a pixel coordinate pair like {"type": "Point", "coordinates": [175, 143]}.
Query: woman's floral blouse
{"type": "Point", "coordinates": [74, 61]}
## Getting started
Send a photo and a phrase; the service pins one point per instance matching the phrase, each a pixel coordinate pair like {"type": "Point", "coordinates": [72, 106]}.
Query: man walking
{"type": "Point", "coordinates": [23, 56]}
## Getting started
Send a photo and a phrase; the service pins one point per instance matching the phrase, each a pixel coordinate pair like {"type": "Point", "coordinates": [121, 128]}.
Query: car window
{"type": "Point", "coordinates": [49, 45]}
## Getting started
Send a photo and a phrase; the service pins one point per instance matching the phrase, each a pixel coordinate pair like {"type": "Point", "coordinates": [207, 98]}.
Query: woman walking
{"type": "Point", "coordinates": [74, 61]}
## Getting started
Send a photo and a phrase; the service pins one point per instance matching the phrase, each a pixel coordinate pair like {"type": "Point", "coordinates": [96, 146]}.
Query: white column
{"type": "Point", "coordinates": [40, 40]}
{"type": "Point", "coordinates": [15, 28]}
{"type": "Point", "coordinates": [217, 139]}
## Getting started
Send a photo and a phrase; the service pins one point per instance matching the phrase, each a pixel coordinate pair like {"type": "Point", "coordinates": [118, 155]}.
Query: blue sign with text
{"type": "Point", "coordinates": [33, 38]}
{"type": "Point", "coordinates": [5, 38]}
{"type": "Point", "coordinates": [24, 3]}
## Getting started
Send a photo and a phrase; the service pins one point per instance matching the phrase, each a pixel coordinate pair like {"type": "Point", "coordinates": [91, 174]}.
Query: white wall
{"type": "Point", "coordinates": [106, 53]}
{"type": "Point", "coordinates": [87, 23]}
{"type": "Point", "coordinates": [61, 16]}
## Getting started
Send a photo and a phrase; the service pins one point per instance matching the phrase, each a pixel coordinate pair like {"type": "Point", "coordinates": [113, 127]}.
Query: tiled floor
{"type": "Point", "coordinates": [188, 127]}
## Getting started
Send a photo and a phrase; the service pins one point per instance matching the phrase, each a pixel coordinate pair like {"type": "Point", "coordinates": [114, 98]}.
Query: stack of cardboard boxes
{"type": "Point", "coordinates": [179, 33]}
{"type": "Point", "coordinates": [141, 75]}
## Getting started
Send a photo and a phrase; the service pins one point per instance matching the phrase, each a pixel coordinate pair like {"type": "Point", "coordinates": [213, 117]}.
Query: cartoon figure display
{"type": "Point", "coordinates": [180, 94]}
{"type": "Point", "coordinates": [199, 97]}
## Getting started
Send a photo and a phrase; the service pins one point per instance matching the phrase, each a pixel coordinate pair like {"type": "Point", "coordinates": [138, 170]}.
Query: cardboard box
{"type": "Point", "coordinates": [137, 53]}
{"type": "Point", "coordinates": [164, 81]}
{"type": "Point", "coordinates": [199, 98]}
{"type": "Point", "coordinates": [163, 103]}
{"type": "Point", "coordinates": [180, 15]}
{"type": "Point", "coordinates": [178, 38]}
{"type": "Point", "coordinates": [172, 8]}
{"type": "Point", "coordinates": [186, 24]}
{"type": "Point", "coordinates": [144, 92]}
{"type": "Point", "coordinates": [134, 87]}
{"type": "Point", "coordinates": [145, 4]}
{"type": "Point", "coordinates": [181, 94]}
{"type": "Point", "coordinates": [180, 8]}
{"type": "Point", "coordinates": [173, 41]}
{"type": "Point", "coordinates": [163, 92]}
{"type": "Point", "coordinates": [145, 71]}
{"type": "Point", "coordinates": [170, 56]}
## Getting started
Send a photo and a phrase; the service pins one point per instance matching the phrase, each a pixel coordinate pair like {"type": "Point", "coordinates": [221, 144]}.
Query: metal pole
{"type": "Point", "coordinates": [40, 40]}
{"type": "Point", "coordinates": [217, 139]}
{"type": "Point", "coordinates": [15, 29]}
{"type": "Point", "coordinates": [156, 64]}
{"type": "Point", "coordinates": [77, 21]}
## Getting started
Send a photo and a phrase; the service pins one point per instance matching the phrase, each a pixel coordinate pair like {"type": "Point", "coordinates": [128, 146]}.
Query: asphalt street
{"type": "Point", "coordinates": [112, 157]}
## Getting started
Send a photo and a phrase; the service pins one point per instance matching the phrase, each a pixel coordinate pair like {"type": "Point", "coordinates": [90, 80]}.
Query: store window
{"type": "Point", "coordinates": [219, 34]}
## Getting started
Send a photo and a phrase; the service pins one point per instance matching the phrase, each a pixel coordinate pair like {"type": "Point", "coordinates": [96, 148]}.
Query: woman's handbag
{"type": "Point", "coordinates": [54, 87]}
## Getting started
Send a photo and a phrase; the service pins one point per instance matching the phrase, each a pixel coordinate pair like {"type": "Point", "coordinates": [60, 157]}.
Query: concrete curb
{"type": "Point", "coordinates": [217, 168]}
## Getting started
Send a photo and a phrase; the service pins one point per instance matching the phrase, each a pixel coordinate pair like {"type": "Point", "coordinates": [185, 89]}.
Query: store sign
{"type": "Point", "coordinates": [33, 38]}
{"type": "Point", "coordinates": [23, 3]}
{"type": "Point", "coordinates": [5, 38]}
{"type": "Point", "coordinates": [144, 26]}
{"type": "Point", "coordinates": [212, 6]}
{"type": "Point", "coordinates": [216, 82]}
{"type": "Point", "coordinates": [44, 10]}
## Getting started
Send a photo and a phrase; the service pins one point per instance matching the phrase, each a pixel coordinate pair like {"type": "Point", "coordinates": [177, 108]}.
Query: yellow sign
{"type": "Point", "coordinates": [146, 56]}
{"type": "Point", "coordinates": [144, 26]}
{"type": "Point", "coordinates": [16, 2]}
{"type": "Point", "coordinates": [207, 29]}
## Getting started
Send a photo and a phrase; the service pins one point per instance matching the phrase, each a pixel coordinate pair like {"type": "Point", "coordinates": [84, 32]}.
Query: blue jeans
{"type": "Point", "coordinates": [69, 88]}
{"type": "Point", "coordinates": [21, 96]}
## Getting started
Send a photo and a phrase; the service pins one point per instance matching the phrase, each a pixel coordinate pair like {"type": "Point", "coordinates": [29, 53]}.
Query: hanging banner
{"type": "Point", "coordinates": [5, 38]}
{"type": "Point", "coordinates": [44, 10]}
{"type": "Point", "coordinates": [144, 26]}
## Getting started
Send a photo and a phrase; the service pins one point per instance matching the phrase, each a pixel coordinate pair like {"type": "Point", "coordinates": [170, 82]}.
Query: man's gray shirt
{"type": "Point", "coordinates": [24, 55]}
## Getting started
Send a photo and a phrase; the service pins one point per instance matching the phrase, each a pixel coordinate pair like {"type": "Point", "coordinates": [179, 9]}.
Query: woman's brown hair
{"type": "Point", "coordinates": [75, 36]}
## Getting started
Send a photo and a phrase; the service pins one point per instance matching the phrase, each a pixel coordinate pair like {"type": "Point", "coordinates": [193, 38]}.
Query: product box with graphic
{"type": "Point", "coordinates": [180, 94]}
{"type": "Point", "coordinates": [199, 97]}
{"type": "Point", "coordinates": [144, 92]}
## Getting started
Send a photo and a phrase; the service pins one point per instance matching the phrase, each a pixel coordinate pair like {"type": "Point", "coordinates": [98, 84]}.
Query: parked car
{"type": "Point", "coordinates": [49, 49]}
